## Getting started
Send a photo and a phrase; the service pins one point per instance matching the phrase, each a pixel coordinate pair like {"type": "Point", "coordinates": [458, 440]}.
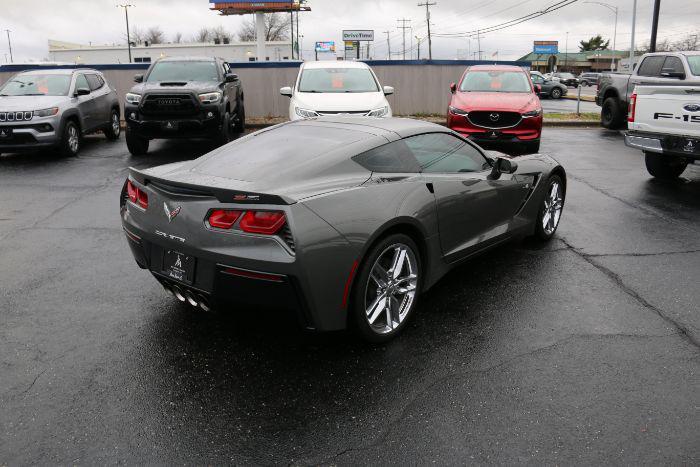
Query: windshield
{"type": "Point", "coordinates": [183, 71]}
{"type": "Point", "coordinates": [37, 85]}
{"type": "Point", "coordinates": [495, 81]}
{"type": "Point", "coordinates": [338, 80]}
{"type": "Point", "coordinates": [694, 64]}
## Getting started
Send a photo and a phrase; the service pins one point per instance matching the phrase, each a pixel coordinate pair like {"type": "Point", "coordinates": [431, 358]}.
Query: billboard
{"type": "Point", "coordinates": [546, 47]}
{"type": "Point", "coordinates": [253, 6]}
{"type": "Point", "coordinates": [358, 35]}
{"type": "Point", "coordinates": [327, 46]}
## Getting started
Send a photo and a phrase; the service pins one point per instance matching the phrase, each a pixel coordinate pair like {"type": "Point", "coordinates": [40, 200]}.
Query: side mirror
{"type": "Point", "coordinates": [286, 91]}
{"type": "Point", "coordinates": [388, 90]}
{"type": "Point", "coordinates": [538, 89]}
{"type": "Point", "coordinates": [231, 77]}
{"type": "Point", "coordinates": [671, 73]}
{"type": "Point", "coordinates": [453, 88]}
{"type": "Point", "coordinates": [82, 92]}
{"type": "Point", "coordinates": [503, 166]}
{"type": "Point", "coordinates": [138, 78]}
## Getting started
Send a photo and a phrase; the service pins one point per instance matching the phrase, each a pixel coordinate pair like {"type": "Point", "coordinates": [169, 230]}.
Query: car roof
{"type": "Point", "coordinates": [189, 58]}
{"type": "Point", "coordinates": [495, 68]}
{"type": "Point", "coordinates": [400, 127]}
{"type": "Point", "coordinates": [335, 64]}
{"type": "Point", "coordinates": [59, 71]}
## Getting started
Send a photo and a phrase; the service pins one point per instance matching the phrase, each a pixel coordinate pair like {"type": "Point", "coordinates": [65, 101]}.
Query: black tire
{"type": "Point", "coordinates": [556, 93]}
{"type": "Point", "coordinates": [137, 145]}
{"type": "Point", "coordinates": [70, 139]}
{"type": "Point", "coordinates": [611, 114]}
{"type": "Point", "coordinates": [541, 233]}
{"type": "Point", "coordinates": [584, 84]}
{"type": "Point", "coordinates": [665, 167]}
{"type": "Point", "coordinates": [224, 135]}
{"type": "Point", "coordinates": [365, 286]}
{"type": "Point", "coordinates": [113, 129]}
{"type": "Point", "coordinates": [239, 128]}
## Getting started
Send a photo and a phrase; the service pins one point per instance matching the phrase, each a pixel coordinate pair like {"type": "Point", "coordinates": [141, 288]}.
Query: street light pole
{"type": "Point", "coordinates": [9, 44]}
{"type": "Point", "coordinates": [615, 10]}
{"type": "Point", "coordinates": [566, 52]}
{"type": "Point", "coordinates": [126, 7]}
{"type": "Point", "coordinates": [654, 26]}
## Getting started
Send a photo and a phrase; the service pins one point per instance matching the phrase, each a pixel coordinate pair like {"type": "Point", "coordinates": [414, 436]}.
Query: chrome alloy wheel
{"type": "Point", "coordinates": [553, 204]}
{"type": "Point", "coordinates": [391, 288]}
{"type": "Point", "coordinates": [73, 138]}
{"type": "Point", "coordinates": [116, 127]}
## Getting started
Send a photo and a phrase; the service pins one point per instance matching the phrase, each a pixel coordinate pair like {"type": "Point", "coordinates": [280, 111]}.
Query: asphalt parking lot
{"type": "Point", "coordinates": [585, 351]}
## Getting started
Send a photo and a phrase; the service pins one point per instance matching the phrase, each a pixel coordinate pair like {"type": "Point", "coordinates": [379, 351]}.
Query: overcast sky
{"type": "Point", "coordinates": [33, 22]}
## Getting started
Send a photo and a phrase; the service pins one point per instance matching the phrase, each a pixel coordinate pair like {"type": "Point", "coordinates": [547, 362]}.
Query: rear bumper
{"type": "Point", "coordinates": [674, 145]}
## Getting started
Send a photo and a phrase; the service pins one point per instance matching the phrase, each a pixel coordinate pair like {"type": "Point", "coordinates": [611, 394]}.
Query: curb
{"type": "Point", "coordinates": [583, 98]}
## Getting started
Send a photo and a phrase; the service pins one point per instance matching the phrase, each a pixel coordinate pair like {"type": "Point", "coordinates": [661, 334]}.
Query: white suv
{"type": "Point", "coordinates": [337, 88]}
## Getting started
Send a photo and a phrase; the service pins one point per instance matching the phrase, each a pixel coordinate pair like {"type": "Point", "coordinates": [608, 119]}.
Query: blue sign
{"type": "Point", "coordinates": [550, 49]}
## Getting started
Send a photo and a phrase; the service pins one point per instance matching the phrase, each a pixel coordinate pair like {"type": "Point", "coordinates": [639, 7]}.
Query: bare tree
{"type": "Point", "coordinates": [689, 42]}
{"type": "Point", "coordinates": [220, 33]}
{"type": "Point", "coordinates": [136, 35]}
{"type": "Point", "coordinates": [155, 35]}
{"type": "Point", "coordinates": [177, 37]}
{"type": "Point", "coordinates": [276, 28]}
{"type": "Point", "coordinates": [203, 35]}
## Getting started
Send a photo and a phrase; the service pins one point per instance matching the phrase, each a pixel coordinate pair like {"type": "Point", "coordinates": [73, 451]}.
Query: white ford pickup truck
{"type": "Point", "coordinates": [664, 122]}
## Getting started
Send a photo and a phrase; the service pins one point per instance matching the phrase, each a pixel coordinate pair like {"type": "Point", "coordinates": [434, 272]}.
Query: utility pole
{"type": "Point", "coordinates": [291, 21]}
{"type": "Point", "coordinates": [478, 43]}
{"type": "Point", "coordinates": [298, 45]}
{"type": "Point", "coordinates": [566, 52]}
{"type": "Point", "coordinates": [419, 40]}
{"type": "Point", "coordinates": [126, 7]}
{"type": "Point", "coordinates": [427, 6]}
{"type": "Point", "coordinates": [9, 45]}
{"type": "Point", "coordinates": [654, 26]}
{"type": "Point", "coordinates": [403, 27]}
{"type": "Point", "coordinates": [388, 44]}
{"type": "Point", "coordinates": [634, 22]}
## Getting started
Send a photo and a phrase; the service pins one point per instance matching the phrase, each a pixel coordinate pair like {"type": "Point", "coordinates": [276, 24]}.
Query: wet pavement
{"type": "Point", "coordinates": [585, 350]}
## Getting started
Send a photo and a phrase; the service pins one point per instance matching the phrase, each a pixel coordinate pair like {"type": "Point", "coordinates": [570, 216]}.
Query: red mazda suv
{"type": "Point", "coordinates": [498, 107]}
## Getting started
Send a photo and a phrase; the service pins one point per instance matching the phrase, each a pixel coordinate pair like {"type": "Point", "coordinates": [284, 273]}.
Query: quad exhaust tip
{"type": "Point", "coordinates": [196, 300]}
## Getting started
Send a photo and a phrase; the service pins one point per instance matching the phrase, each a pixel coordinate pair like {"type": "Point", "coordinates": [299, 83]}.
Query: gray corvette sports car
{"type": "Point", "coordinates": [344, 221]}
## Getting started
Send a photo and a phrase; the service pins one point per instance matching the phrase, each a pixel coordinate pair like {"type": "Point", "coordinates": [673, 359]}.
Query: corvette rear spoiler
{"type": "Point", "coordinates": [224, 195]}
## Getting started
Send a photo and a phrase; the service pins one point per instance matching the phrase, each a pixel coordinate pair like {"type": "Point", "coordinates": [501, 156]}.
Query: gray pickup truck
{"type": "Point", "coordinates": [660, 68]}
{"type": "Point", "coordinates": [54, 108]}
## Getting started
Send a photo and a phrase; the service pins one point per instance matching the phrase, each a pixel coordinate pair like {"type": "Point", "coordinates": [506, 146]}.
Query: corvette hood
{"type": "Point", "coordinates": [338, 102]}
{"type": "Point", "coordinates": [22, 103]}
{"type": "Point", "coordinates": [501, 101]}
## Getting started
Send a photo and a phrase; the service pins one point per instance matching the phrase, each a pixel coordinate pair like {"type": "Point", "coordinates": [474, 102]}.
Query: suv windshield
{"type": "Point", "coordinates": [37, 85]}
{"type": "Point", "coordinates": [184, 71]}
{"type": "Point", "coordinates": [694, 64]}
{"type": "Point", "coordinates": [495, 81]}
{"type": "Point", "coordinates": [338, 80]}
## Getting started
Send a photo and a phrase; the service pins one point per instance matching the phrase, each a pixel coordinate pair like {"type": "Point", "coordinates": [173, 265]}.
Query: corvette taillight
{"type": "Point", "coordinates": [136, 195]}
{"type": "Point", "coordinates": [263, 222]}
{"type": "Point", "coordinates": [632, 108]}
{"type": "Point", "coordinates": [223, 218]}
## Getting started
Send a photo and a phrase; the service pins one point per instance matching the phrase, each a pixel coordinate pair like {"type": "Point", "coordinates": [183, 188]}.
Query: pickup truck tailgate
{"type": "Point", "coordinates": [668, 110]}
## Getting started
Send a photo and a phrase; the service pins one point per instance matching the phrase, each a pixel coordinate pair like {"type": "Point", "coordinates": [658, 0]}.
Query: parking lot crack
{"type": "Point", "coordinates": [681, 329]}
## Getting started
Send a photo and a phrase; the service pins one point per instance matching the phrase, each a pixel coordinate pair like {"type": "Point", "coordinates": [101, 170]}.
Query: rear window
{"type": "Point", "coordinates": [495, 81]}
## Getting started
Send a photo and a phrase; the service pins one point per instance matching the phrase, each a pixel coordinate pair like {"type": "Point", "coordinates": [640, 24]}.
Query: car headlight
{"type": "Point", "coordinates": [532, 113]}
{"type": "Point", "coordinates": [303, 113]}
{"type": "Point", "coordinates": [133, 98]}
{"type": "Point", "coordinates": [210, 97]}
{"type": "Point", "coordinates": [456, 111]}
{"type": "Point", "coordinates": [46, 112]}
{"type": "Point", "coordinates": [380, 112]}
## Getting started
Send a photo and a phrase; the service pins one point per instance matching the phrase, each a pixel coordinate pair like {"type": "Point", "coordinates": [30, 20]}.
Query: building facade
{"type": "Point", "coordinates": [102, 54]}
{"type": "Point", "coordinates": [579, 62]}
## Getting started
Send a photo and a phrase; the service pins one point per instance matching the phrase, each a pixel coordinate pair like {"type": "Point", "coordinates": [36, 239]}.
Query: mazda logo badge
{"type": "Point", "coordinates": [691, 107]}
{"type": "Point", "coordinates": [494, 117]}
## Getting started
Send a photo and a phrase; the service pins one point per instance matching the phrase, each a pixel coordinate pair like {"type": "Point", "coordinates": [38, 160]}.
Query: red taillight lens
{"type": "Point", "coordinates": [223, 218]}
{"type": "Point", "coordinates": [263, 222]}
{"type": "Point", "coordinates": [136, 195]}
{"type": "Point", "coordinates": [632, 108]}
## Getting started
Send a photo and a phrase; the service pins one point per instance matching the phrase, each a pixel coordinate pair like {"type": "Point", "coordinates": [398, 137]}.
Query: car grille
{"type": "Point", "coordinates": [487, 119]}
{"type": "Point", "coordinates": [286, 235]}
{"type": "Point", "coordinates": [343, 112]}
{"type": "Point", "coordinates": [169, 104]}
{"type": "Point", "coordinates": [22, 116]}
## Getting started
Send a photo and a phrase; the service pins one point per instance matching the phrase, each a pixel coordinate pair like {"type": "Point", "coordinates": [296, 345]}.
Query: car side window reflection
{"type": "Point", "coordinates": [445, 153]}
{"type": "Point", "coordinates": [81, 82]}
{"type": "Point", "coordinates": [389, 158]}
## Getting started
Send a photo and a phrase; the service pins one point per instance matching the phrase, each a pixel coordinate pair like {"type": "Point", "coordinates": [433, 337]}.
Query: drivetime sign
{"type": "Point", "coordinates": [358, 35]}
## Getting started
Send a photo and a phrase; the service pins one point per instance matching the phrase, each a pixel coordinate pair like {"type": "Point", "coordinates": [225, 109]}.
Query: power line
{"type": "Point", "coordinates": [427, 6]}
{"type": "Point", "coordinates": [403, 27]}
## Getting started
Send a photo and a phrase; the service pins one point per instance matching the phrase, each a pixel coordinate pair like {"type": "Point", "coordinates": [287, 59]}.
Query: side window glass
{"type": "Point", "coordinates": [445, 153]}
{"type": "Point", "coordinates": [673, 64]}
{"type": "Point", "coordinates": [94, 82]}
{"type": "Point", "coordinates": [81, 82]}
{"type": "Point", "coordinates": [390, 158]}
{"type": "Point", "coordinates": [651, 66]}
